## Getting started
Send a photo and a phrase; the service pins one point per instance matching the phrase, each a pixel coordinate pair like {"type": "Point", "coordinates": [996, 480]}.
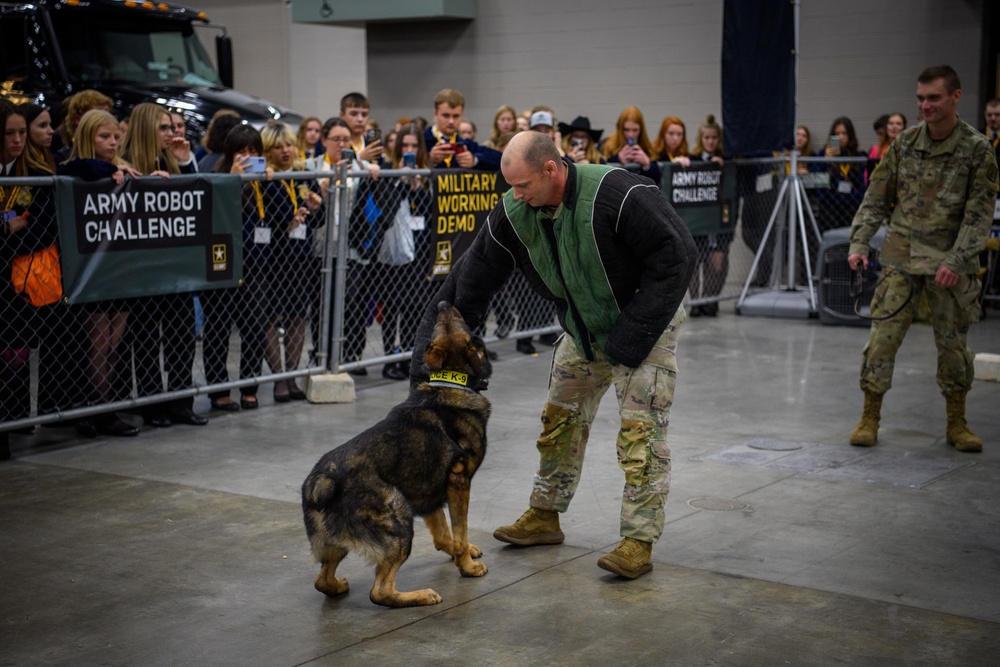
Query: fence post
{"type": "Point", "coordinates": [329, 260]}
{"type": "Point", "coordinates": [343, 215]}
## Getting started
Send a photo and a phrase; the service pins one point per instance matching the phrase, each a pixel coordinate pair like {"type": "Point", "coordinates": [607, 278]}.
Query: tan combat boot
{"type": "Point", "coordinates": [959, 434]}
{"type": "Point", "coordinates": [533, 527]}
{"type": "Point", "coordinates": [866, 432]}
{"type": "Point", "coordinates": [630, 558]}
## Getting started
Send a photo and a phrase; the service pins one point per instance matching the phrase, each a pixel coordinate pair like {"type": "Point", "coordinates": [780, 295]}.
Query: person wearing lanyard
{"type": "Point", "coordinates": [290, 207]}
{"type": "Point", "coordinates": [241, 306]}
{"type": "Point", "coordinates": [839, 203]}
{"type": "Point", "coordinates": [354, 110]}
{"type": "Point", "coordinates": [445, 149]}
{"type": "Point", "coordinates": [336, 137]}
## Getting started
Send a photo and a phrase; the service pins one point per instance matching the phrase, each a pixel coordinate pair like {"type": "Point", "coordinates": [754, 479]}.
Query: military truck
{"type": "Point", "coordinates": [131, 51]}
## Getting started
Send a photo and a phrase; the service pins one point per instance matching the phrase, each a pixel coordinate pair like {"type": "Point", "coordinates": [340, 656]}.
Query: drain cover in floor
{"type": "Point", "coordinates": [774, 445]}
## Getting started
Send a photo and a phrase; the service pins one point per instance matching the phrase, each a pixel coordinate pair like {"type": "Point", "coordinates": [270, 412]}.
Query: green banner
{"type": "Point", "coordinates": [704, 195]}
{"type": "Point", "coordinates": [149, 236]}
{"type": "Point", "coordinates": [462, 201]}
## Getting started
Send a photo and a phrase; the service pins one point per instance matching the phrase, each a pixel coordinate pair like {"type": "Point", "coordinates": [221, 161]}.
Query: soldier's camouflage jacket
{"type": "Point", "coordinates": [937, 198]}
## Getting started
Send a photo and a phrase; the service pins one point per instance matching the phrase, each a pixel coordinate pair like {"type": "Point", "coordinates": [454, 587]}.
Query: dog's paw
{"type": "Point", "coordinates": [475, 551]}
{"type": "Point", "coordinates": [472, 569]}
{"type": "Point", "coordinates": [409, 599]}
{"type": "Point", "coordinates": [338, 586]}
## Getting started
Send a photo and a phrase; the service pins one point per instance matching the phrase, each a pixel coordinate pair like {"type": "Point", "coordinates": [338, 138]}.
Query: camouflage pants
{"type": "Point", "coordinates": [951, 310]}
{"type": "Point", "coordinates": [645, 395]}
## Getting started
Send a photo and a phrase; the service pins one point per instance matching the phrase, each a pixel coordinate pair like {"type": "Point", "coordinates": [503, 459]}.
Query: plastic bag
{"type": "Point", "coordinates": [397, 245]}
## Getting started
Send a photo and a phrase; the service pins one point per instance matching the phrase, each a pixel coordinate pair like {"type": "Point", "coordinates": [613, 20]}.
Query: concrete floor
{"type": "Point", "coordinates": [783, 544]}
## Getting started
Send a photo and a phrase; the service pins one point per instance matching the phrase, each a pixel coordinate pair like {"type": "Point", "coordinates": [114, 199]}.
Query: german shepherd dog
{"type": "Point", "coordinates": [363, 495]}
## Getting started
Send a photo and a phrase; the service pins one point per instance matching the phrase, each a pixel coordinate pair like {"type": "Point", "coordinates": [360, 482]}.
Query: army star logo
{"type": "Point", "coordinates": [219, 261]}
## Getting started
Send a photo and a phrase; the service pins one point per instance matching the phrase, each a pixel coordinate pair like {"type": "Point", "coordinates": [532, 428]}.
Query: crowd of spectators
{"type": "Point", "coordinates": [104, 351]}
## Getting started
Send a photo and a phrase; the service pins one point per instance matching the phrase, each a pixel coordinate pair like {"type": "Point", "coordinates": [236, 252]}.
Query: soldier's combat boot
{"type": "Point", "coordinates": [533, 527]}
{"type": "Point", "coordinates": [630, 558]}
{"type": "Point", "coordinates": [866, 432]}
{"type": "Point", "coordinates": [959, 434]}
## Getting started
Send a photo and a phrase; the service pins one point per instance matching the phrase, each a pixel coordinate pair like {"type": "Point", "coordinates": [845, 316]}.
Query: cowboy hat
{"type": "Point", "coordinates": [582, 124]}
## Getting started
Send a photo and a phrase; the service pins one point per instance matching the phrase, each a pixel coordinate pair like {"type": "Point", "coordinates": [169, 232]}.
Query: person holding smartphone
{"type": "Point", "coordinates": [368, 148]}
{"type": "Point", "coordinates": [580, 141]}
{"type": "Point", "coordinates": [446, 150]}
{"type": "Point", "coordinates": [629, 144]}
{"type": "Point", "coordinates": [243, 306]}
{"type": "Point", "coordinates": [839, 202]}
{"type": "Point", "coordinates": [152, 146]}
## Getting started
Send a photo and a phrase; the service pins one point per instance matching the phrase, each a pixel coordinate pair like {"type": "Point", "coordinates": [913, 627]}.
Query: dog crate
{"type": "Point", "coordinates": [836, 305]}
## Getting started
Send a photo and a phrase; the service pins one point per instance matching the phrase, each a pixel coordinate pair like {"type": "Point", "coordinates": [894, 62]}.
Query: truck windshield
{"type": "Point", "coordinates": [102, 47]}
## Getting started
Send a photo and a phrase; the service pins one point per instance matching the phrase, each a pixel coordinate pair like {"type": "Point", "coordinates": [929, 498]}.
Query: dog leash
{"type": "Point", "coordinates": [857, 289]}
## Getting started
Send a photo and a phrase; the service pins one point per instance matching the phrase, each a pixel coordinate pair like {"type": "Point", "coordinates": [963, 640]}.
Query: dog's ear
{"type": "Point", "coordinates": [435, 357]}
{"type": "Point", "coordinates": [475, 352]}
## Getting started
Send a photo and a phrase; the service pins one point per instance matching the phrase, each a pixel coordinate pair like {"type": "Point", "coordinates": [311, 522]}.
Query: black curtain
{"type": "Point", "coordinates": [758, 75]}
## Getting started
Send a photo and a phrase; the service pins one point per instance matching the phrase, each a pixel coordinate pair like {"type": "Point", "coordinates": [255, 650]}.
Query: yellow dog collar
{"type": "Point", "coordinates": [451, 378]}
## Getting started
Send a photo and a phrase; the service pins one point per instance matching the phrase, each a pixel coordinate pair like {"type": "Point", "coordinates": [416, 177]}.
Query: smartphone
{"type": "Point", "coordinates": [457, 148]}
{"type": "Point", "coordinates": [347, 154]}
{"type": "Point", "coordinates": [834, 141]}
{"type": "Point", "coordinates": [577, 142]}
{"type": "Point", "coordinates": [373, 135]}
{"type": "Point", "coordinates": [409, 160]}
{"type": "Point", "coordinates": [255, 165]}
{"type": "Point", "coordinates": [630, 141]}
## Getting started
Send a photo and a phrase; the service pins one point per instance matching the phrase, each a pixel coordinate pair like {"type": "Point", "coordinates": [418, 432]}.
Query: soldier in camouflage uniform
{"type": "Point", "coordinates": [936, 188]}
{"type": "Point", "coordinates": [606, 247]}
{"type": "Point", "coordinates": [645, 395]}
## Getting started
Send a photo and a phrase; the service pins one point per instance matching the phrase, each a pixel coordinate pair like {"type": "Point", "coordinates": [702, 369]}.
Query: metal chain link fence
{"type": "Point", "coordinates": [348, 268]}
{"type": "Point", "coordinates": [389, 281]}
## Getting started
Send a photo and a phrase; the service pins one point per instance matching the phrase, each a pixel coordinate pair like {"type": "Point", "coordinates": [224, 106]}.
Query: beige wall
{"type": "Point", "coordinates": [306, 67]}
{"type": "Point", "coordinates": [859, 58]}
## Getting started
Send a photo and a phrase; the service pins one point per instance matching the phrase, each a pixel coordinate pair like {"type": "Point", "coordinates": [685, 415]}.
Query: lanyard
{"type": "Point", "coordinates": [290, 189]}
{"type": "Point", "coordinates": [441, 138]}
{"type": "Point", "coordinates": [357, 151]}
{"type": "Point", "coordinates": [259, 196]}
{"type": "Point", "coordinates": [260, 199]}
{"type": "Point", "coordinates": [11, 198]}
{"type": "Point", "coordinates": [845, 169]}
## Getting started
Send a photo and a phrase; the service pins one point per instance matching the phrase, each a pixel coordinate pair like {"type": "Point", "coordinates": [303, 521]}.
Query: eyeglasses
{"type": "Point", "coordinates": [339, 140]}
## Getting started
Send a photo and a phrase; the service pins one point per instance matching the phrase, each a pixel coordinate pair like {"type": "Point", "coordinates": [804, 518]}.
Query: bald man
{"type": "Point", "coordinates": [606, 247]}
